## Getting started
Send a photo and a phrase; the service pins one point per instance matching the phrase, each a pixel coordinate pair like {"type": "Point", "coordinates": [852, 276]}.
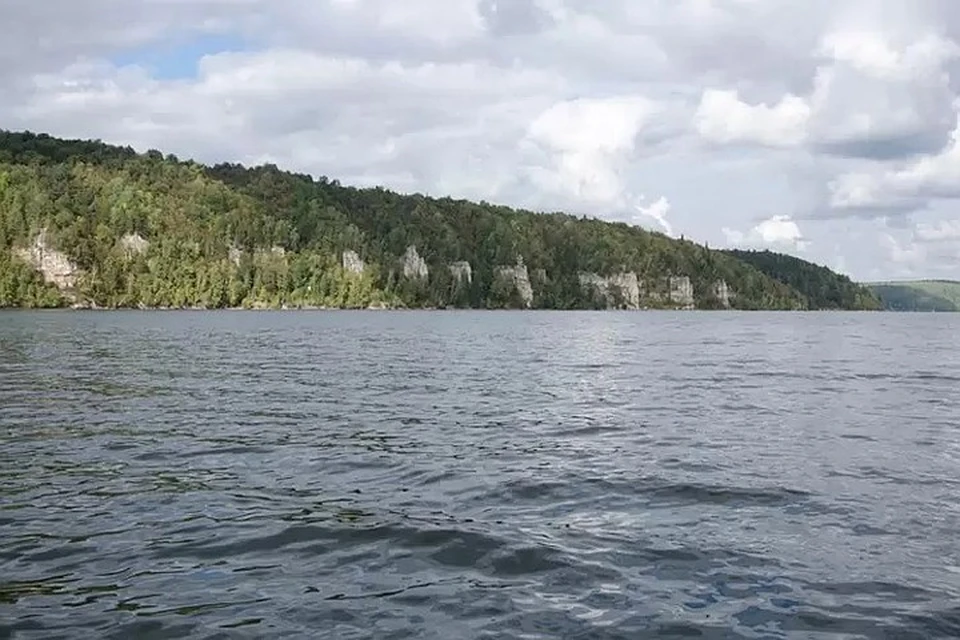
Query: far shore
{"type": "Point", "coordinates": [85, 308]}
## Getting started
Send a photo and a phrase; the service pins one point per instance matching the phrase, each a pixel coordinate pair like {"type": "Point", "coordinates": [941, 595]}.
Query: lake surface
{"type": "Point", "coordinates": [479, 475]}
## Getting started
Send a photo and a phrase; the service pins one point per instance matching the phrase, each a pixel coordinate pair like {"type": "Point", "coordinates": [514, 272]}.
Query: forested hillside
{"type": "Point", "coordinates": [822, 288]}
{"type": "Point", "coordinates": [88, 224]}
{"type": "Point", "coordinates": [919, 295]}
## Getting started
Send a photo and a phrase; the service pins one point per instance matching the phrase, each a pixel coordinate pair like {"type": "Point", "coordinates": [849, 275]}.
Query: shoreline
{"type": "Point", "coordinates": [81, 309]}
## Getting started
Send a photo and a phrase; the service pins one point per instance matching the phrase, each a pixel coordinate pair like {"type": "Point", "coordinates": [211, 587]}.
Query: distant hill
{"type": "Point", "coordinates": [84, 223]}
{"type": "Point", "coordinates": [918, 295]}
{"type": "Point", "coordinates": [821, 287]}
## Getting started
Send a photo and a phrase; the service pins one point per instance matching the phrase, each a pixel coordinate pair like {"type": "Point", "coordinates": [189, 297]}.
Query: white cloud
{"type": "Point", "coordinates": [723, 118]}
{"type": "Point", "coordinates": [657, 210]}
{"type": "Point", "coordinates": [870, 53]}
{"type": "Point", "coordinates": [587, 141]}
{"type": "Point", "coordinates": [872, 95]}
{"type": "Point", "coordinates": [778, 231]}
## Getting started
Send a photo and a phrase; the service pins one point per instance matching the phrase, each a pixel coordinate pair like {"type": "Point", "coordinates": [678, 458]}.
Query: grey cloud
{"type": "Point", "coordinates": [882, 212]}
{"type": "Point", "coordinates": [882, 120]}
{"type": "Point", "coordinates": [893, 147]}
{"type": "Point", "coordinates": [514, 17]}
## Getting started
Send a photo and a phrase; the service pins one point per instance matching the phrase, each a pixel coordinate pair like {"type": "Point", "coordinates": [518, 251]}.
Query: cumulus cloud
{"type": "Point", "coordinates": [903, 187]}
{"type": "Point", "coordinates": [657, 211]}
{"type": "Point", "coordinates": [723, 118]}
{"type": "Point", "coordinates": [869, 98]}
{"type": "Point", "coordinates": [587, 140]}
{"type": "Point", "coordinates": [779, 231]}
{"type": "Point", "coordinates": [925, 249]}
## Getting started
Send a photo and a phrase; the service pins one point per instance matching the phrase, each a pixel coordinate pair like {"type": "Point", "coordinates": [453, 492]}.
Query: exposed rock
{"type": "Point", "coordinates": [681, 291]}
{"type": "Point", "coordinates": [722, 291]}
{"type": "Point", "coordinates": [56, 267]}
{"type": "Point", "coordinates": [618, 289]}
{"type": "Point", "coordinates": [413, 265]}
{"type": "Point", "coordinates": [520, 278]}
{"type": "Point", "coordinates": [352, 262]}
{"type": "Point", "coordinates": [461, 271]}
{"type": "Point", "coordinates": [275, 252]}
{"type": "Point", "coordinates": [235, 254]}
{"type": "Point", "coordinates": [134, 244]}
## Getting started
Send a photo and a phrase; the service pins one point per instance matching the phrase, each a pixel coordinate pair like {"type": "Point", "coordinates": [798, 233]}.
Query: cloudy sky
{"type": "Point", "coordinates": [826, 129]}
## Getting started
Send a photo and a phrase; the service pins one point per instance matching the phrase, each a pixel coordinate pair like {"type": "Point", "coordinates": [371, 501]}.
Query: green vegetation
{"type": "Point", "coordinates": [148, 230]}
{"type": "Point", "coordinates": [920, 295]}
{"type": "Point", "coordinates": [822, 288]}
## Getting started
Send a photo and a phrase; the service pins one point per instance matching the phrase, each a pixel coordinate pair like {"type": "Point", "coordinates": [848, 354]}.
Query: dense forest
{"type": "Point", "coordinates": [84, 223]}
{"type": "Point", "coordinates": [823, 288]}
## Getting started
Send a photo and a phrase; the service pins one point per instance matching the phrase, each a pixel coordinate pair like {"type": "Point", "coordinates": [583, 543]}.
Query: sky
{"type": "Point", "coordinates": [827, 130]}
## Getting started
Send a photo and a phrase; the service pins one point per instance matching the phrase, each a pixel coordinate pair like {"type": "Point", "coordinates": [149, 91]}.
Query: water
{"type": "Point", "coordinates": [479, 475]}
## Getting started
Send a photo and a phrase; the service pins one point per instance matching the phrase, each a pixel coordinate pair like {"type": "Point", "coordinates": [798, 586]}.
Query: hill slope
{"type": "Point", "coordinates": [87, 223]}
{"type": "Point", "coordinates": [822, 288]}
{"type": "Point", "coordinates": [919, 295]}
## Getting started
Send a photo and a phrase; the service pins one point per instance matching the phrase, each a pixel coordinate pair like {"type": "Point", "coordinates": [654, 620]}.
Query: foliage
{"type": "Point", "coordinates": [822, 288]}
{"type": "Point", "coordinates": [232, 236]}
{"type": "Point", "coordinates": [22, 286]}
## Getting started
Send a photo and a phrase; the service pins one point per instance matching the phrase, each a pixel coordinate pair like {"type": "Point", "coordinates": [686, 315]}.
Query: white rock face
{"type": "Point", "coordinates": [352, 262]}
{"type": "Point", "coordinates": [520, 278]}
{"type": "Point", "coordinates": [722, 291]}
{"type": "Point", "coordinates": [235, 254]}
{"type": "Point", "coordinates": [55, 266]}
{"type": "Point", "coordinates": [625, 286]}
{"type": "Point", "coordinates": [414, 266]}
{"type": "Point", "coordinates": [681, 291]}
{"type": "Point", "coordinates": [134, 244]}
{"type": "Point", "coordinates": [461, 271]}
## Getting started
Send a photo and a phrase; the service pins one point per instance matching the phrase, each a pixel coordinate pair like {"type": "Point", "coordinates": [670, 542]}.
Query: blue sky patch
{"type": "Point", "coordinates": [177, 59]}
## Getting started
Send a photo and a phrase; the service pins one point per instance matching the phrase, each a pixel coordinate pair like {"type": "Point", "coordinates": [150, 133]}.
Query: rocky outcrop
{"type": "Point", "coordinates": [461, 272]}
{"type": "Point", "coordinates": [414, 266]}
{"type": "Point", "coordinates": [722, 292]}
{"type": "Point", "coordinates": [620, 290]}
{"type": "Point", "coordinates": [352, 262]}
{"type": "Point", "coordinates": [234, 254]}
{"type": "Point", "coordinates": [681, 292]}
{"type": "Point", "coordinates": [520, 279]}
{"type": "Point", "coordinates": [134, 244]}
{"type": "Point", "coordinates": [56, 267]}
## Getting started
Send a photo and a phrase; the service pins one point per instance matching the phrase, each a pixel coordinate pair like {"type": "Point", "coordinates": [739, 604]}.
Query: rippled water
{"type": "Point", "coordinates": [479, 475]}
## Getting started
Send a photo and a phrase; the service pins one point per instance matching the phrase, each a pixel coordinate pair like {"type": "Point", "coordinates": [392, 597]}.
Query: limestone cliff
{"type": "Point", "coordinates": [352, 262]}
{"type": "Point", "coordinates": [520, 278]}
{"type": "Point", "coordinates": [134, 244]}
{"type": "Point", "coordinates": [722, 292]}
{"type": "Point", "coordinates": [56, 267]}
{"type": "Point", "coordinates": [414, 266]}
{"type": "Point", "coordinates": [619, 290]}
{"type": "Point", "coordinates": [234, 254]}
{"type": "Point", "coordinates": [681, 292]}
{"type": "Point", "coordinates": [461, 271]}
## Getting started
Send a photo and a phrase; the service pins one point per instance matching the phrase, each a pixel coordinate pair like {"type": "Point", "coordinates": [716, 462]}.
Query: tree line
{"type": "Point", "coordinates": [152, 230]}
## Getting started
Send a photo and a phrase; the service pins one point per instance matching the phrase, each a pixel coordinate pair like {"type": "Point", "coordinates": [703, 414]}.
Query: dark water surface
{"type": "Point", "coordinates": [479, 475]}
